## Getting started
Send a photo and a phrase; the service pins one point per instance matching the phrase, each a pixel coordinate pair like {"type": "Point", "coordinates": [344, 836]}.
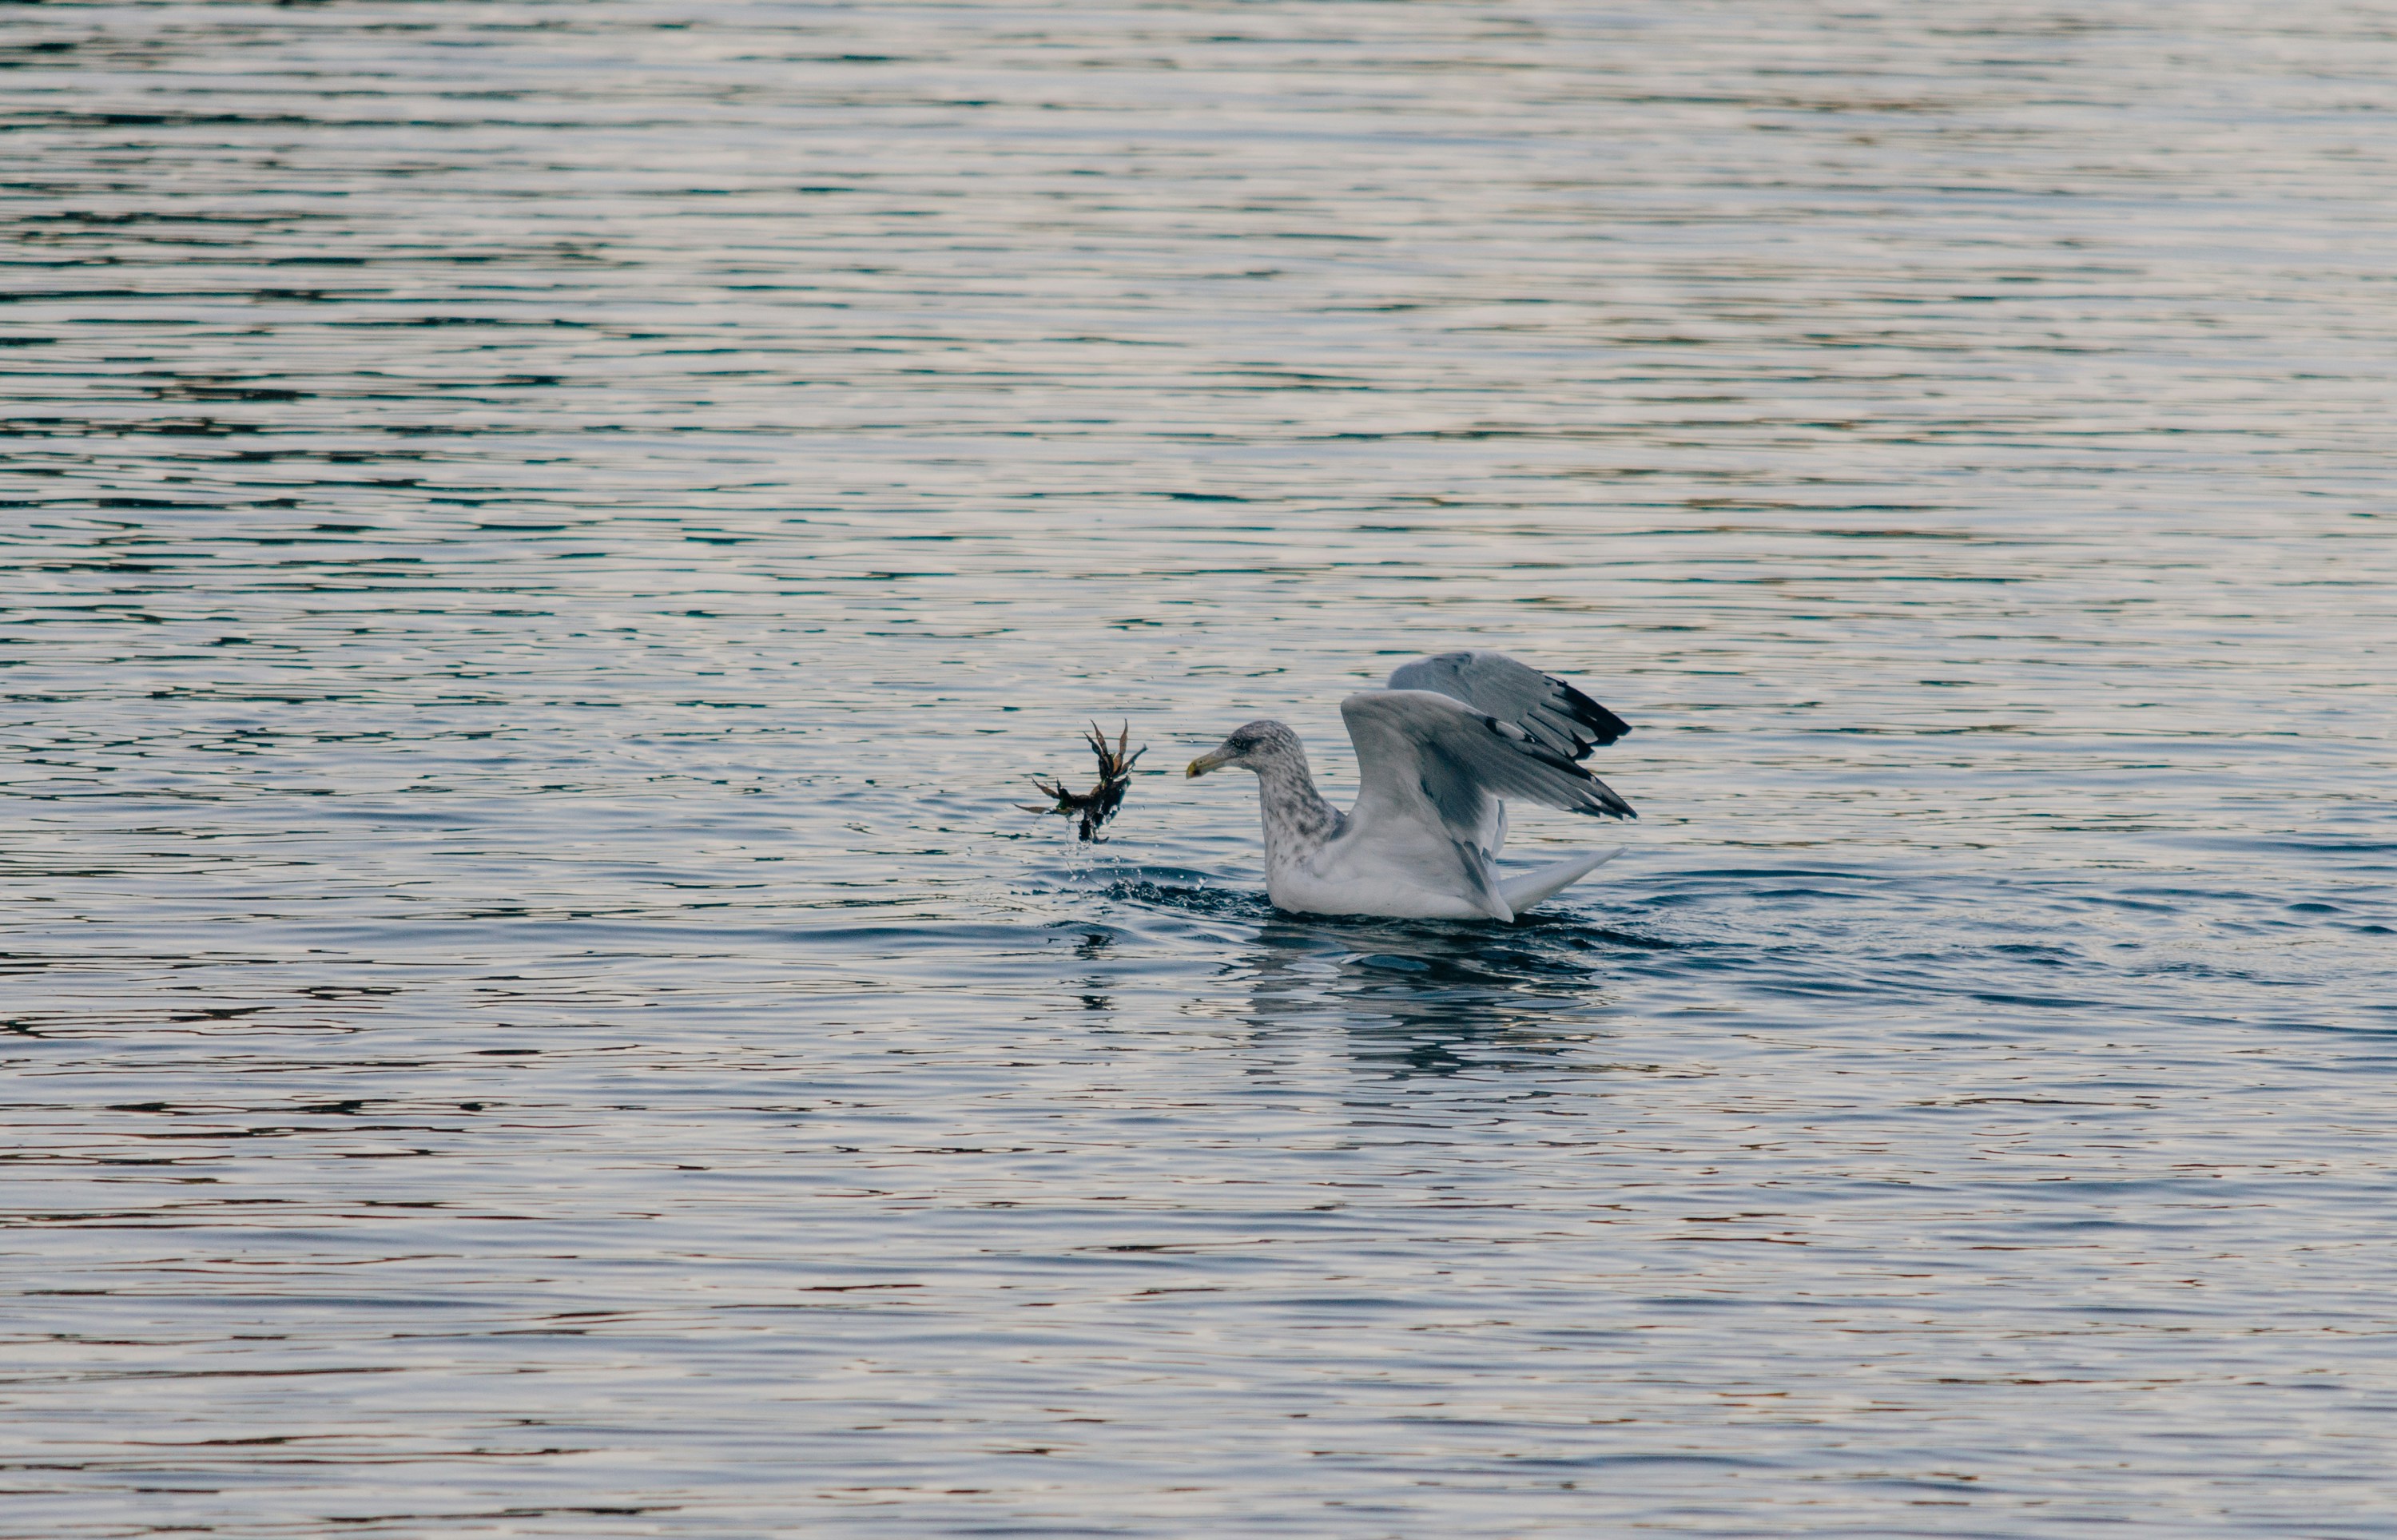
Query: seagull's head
{"type": "Point", "coordinates": [1251, 747]}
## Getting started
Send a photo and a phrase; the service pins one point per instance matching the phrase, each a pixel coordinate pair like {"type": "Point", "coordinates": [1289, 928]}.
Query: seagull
{"type": "Point", "coordinates": [1435, 752]}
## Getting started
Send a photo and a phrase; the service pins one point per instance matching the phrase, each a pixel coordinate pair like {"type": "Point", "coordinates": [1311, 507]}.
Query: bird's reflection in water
{"type": "Point", "coordinates": [1093, 947]}
{"type": "Point", "coordinates": [1426, 997]}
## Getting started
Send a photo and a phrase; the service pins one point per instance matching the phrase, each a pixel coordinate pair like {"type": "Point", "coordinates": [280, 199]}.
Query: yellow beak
{"type": "Point", "coordinates": [1205, 762]}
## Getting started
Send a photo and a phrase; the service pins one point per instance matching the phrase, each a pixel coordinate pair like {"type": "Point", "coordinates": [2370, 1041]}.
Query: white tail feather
{"type": "Point", "coordinates": [1521, 893]}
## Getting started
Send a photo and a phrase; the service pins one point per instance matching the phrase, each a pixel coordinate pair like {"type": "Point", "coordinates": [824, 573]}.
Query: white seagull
{"type": "Point", "coordinates": [1436, 750]}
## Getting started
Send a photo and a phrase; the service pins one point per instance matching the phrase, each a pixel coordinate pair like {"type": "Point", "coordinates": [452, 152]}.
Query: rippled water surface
{"type": "Point", "coordinates": [544, 538]}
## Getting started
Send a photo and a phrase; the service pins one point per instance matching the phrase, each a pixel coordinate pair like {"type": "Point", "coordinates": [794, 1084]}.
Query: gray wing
{"type": "Point", "coordinates": [1557, 717]}
{"type": "Point", "coordinates": [1430, 757]}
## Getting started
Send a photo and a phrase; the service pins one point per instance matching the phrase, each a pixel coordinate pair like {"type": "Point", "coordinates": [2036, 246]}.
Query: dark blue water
{"type": "Point", "coordinates": [544, 540]}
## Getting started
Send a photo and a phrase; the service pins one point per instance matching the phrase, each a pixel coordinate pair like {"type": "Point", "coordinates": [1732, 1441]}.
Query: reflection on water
{"type": "Point", "coordinates": [544, 541]}
{"type": "Point", "coordinates": [1422, 998]}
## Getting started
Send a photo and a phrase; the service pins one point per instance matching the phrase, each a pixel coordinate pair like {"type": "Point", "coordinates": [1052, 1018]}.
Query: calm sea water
{"type": "Point", "coordinates": [544, 541]}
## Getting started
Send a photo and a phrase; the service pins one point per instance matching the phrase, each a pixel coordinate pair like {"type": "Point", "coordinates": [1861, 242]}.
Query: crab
{"type": "Point", "coordinates": [1098, 804]}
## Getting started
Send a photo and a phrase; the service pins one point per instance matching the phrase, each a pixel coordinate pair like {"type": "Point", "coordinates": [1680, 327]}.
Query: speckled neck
{"type": "Point", "coordinates": [1298, 821]}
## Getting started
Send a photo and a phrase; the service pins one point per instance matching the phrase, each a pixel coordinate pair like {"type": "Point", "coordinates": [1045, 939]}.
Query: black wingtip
{"type": "Point", "coordinates": [1603, 725]}
{"type": "Point", "coordinates": [1609, 802]}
